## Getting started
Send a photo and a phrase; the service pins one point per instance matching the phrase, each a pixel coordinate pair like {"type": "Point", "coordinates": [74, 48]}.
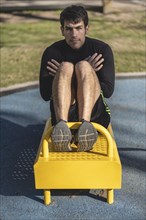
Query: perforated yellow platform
{"type": "Point", "coordinates": [99, 168]}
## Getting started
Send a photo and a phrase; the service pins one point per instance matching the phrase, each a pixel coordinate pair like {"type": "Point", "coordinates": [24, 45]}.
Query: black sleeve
{"type": "Point", "coordinates": [107, 74]}
{"type": "Point", "coordinates": [45, 79]}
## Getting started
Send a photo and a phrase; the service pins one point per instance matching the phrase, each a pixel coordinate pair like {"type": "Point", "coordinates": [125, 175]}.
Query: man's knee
{"type": "Point", "coordinates": [64, 74]}
{"type": "Point", "coordinates": [82, 64]}
{"type": "Point", "coordinates": [66, 68]}
{"type": "Point", "coordinates": [83, 69]}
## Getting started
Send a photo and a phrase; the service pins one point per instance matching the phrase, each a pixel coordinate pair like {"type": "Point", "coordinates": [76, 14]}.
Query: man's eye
{"type": "Point", "coordinates": [79, 28]}
{"type": "Point", "coordinates": [68, 28]}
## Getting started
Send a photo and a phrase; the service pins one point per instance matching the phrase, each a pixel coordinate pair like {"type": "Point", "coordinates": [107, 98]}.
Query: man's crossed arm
{"type": "Point", "coordinates": [96, 61]}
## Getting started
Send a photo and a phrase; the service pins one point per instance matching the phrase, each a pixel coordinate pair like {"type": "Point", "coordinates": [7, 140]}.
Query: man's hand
{"type": "Point", "coordinates": [96, 61]}
{"type": "Point", "coordinates": [53, 66]}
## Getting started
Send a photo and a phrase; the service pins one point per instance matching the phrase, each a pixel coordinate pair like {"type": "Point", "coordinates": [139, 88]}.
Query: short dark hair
{"type": "Point", "coordinates": [74, 13]}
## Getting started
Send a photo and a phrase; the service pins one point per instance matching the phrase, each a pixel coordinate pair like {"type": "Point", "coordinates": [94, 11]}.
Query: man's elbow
{"type": "Point", "coordinates": [108, 91]}
{"type": "Point", "coordinates": [108, 94]}
{"type": "Point", "coordinates": [45, 95]}
{"type": "Point", "coordinates": [45, 88]}
{"type": "Point", "coordinates": [45, 98]}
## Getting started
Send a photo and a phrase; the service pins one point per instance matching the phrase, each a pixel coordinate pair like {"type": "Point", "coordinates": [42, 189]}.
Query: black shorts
{"type": "Point", "coordinates": [100, 113]}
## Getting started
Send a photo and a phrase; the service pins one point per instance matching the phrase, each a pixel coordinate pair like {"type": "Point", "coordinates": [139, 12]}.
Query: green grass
{"type": "Point", "coordinates": [22, 44]}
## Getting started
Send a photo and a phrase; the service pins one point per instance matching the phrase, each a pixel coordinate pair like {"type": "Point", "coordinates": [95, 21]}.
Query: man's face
{"type": "Point", "coordinates": [74, 33]}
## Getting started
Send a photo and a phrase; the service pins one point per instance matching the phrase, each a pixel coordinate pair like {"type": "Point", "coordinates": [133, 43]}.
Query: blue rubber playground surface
{"type": "Point", "coordinates": [23, 116]}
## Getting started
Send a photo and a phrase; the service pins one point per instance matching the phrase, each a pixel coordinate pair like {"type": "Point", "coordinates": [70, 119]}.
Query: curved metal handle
{"type": "Point", "coordinates": [45, 147]}
{"type": "Point", "coordinates": [102, 130]}
{"type": "Point", "coordinates": [108, 136]}
{"type": "Point", "coordinates": [75, 125]}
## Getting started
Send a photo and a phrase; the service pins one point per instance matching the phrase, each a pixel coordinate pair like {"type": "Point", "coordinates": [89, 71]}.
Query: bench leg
{"type": "Point", "coordinates": [106, 5]}
{"type": "Point", "coordinates": [47, 197]}
{"type": "Point", "coordinates": [110, 196]}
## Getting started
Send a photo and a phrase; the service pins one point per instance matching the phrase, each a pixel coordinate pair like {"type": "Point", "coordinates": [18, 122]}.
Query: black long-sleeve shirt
{"type": "Point", "coordinates": [61, 51]}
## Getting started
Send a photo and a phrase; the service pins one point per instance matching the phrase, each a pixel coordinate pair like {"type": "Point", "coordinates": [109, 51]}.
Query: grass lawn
{"type": "Point", "coordinates": [23, 41]}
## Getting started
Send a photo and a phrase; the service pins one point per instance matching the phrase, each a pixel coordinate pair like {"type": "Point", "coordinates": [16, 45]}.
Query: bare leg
{"type": "Point", "coordinates": [62, 90]}
{"type": "Point", "coordinates": [88, 92]}
{"type": "Point", "coordinates": [61, 134]}
{"type": "Point", "coordinates": [88, 89]}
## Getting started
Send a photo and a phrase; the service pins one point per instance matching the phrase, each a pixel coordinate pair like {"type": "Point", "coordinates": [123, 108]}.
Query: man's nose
{"type": "Point", "coordinates": [74, 32]}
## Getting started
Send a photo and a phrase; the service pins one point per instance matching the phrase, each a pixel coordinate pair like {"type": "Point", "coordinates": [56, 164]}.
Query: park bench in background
{"type": "Point", "coordinates": [17, 5]}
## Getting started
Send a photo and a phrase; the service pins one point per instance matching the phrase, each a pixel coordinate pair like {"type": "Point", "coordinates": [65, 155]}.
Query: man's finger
{"type": "Point", "coordinates": [98, 62]}
{"type": "Point", "coordinates": [97, 58]}
{"type": "Point", "coordinates": [52, 65]}
{"type": "Point", "coordinates": [92, 57]}
{"type": "Point", "coordinates": [87, 59]}
{"type": "Point", "coordinates": [52, 74]}
{"type": "Point", "coordinates": [98, 68]}
{"type": "Point", "coordinates": [51, 69]}
{"type": "Point", "coordinates": [55, 62]}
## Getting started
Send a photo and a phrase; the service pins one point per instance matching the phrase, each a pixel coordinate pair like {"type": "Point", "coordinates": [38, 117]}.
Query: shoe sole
{"type": "Point", "coordinates": [61, 137]}
{"type": "Point", "coordinates": [87, 136]}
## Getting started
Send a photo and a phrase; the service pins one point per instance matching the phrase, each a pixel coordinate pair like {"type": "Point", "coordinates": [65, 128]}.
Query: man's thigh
{"type": "Point", "coordinates": [99, 113]}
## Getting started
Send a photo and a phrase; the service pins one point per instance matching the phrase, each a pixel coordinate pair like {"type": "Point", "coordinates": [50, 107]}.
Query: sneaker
{"type": "Point", "coordinates": [86, 136]}
{"type": "Point", "coordinates": [61, 137]}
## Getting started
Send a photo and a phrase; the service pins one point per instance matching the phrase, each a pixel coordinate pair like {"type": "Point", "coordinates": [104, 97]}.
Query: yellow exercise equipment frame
{"type": "Point", "coordinates": [99, 168]}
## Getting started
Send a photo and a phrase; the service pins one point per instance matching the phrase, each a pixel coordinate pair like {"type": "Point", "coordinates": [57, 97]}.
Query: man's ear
{"type": "Point", "coordinates": [62, 30]}
{"type": "Point", "coordinates": [86, 29]}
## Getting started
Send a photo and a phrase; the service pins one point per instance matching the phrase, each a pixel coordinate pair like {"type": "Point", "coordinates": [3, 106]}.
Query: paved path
{"type": "Point", "coordinates": [23, 115]}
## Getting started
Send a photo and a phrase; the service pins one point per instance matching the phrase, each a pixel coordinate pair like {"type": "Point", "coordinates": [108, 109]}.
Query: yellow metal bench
{"type": "Point", "coordinates": [99, 168]}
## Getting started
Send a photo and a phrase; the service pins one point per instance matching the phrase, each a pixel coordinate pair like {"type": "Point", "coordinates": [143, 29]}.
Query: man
{"type": "Point", "coordinates": [76, 74]}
